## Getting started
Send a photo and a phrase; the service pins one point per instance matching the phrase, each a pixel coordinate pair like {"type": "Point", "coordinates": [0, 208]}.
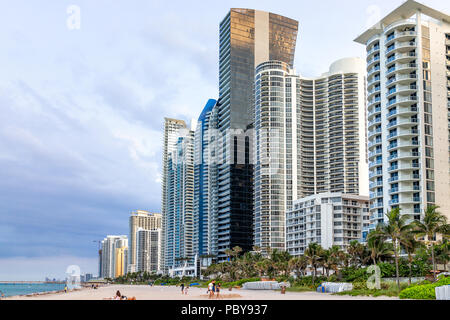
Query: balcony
{"type": "Point", "coordinates": [400, 57]}
{"type": "Point", "coordinates": [375, 184]}
{"type": "Point", "coordinates": [402, 78]}
{"type": "Point", "coordinates": [402, 47]}
{"type": "Point", "coordinates": [402, 111]}
{"type": "Point", "coordinates": [374, 143]}
{"type": "Point", "coordinates": [375, 174]}
{"type": "Point", "coordinates": [371, 71]}
{"type": "Point", "coordinates": [402, 90]}
{"type": "Point", "coordinates": [401, 35]}
{"type": "Point", "coordinates": [376, 163]}
{"type": "Point", "coordinates": [374, 132]}
{"type": "Point", "coordinates": [373, 50]}
{"type": "Point", "coordinates": [373, 80]}
{"type": "Point", "coordinates": [374, 111]}
{"type": "Point", "coordinates": [405, 122]}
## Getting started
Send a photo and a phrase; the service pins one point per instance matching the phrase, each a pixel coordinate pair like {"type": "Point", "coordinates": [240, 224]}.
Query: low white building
{"type": "Point", "coordinates": [327, 219]}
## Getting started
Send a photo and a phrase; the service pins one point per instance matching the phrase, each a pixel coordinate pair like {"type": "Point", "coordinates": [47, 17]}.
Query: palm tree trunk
{"type": "Point", "coordinates": [434, 262]}
{"type": "Point", "coordinates": [314, 276]}
{"type": "Point", "coordinates": [410, 268]}
{"type": "Point", "coordinates": [396, 264]}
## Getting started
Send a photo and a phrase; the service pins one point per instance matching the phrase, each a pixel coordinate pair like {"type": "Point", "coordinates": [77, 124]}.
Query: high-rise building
{"type": "Point", "coordinates": [145, 220]}
{"type": "Point", "coordinates": [310, 136]}
{"type": "Point", "coordinates": [247, 38]}
{"type": "Point", "coordinates": [148, 250]}
{"type": "Point", "coordinates": [408, 83]}
{"type": "Point", "coordinates": [179, 219]}
{"type": "Point", "coordinates": [114, 256]}
{"type": "Point", "coordinates": [327, 219]}
{"type": "Point", "coordinates": [201, 181]}
{"type": "Point", "coordinates": [121, 259]}
{"type": "Point", "coordinates": [171, 129]}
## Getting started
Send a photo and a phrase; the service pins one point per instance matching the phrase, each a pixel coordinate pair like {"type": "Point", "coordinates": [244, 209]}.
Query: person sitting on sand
{"type": "Point", "coordinates": [118, 296]}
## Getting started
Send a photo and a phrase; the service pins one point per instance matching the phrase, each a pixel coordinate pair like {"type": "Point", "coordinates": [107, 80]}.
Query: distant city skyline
{"type": "Point", "coordinates": [81, 129]}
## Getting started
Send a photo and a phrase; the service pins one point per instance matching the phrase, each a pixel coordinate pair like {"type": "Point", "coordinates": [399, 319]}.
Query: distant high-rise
{"type": "Point", "coordinates": [201, 181]}
{"type": "Point", "coordinates": [148, 250]}
{"type": "Point", "coordinates": [179, 218]}
{"type": "Point", "coordinates": [145, 220]}
{"type": "Point", "coordinates": [310, 136]}
{"type": "Point", "coordinates": [171, 129]}
{"type": "Point", "coordinates": [408, 84]}
{"type": "Point", "coordinates": [113, 256]}
{"type": "Point", "coordinates": [247, 38]}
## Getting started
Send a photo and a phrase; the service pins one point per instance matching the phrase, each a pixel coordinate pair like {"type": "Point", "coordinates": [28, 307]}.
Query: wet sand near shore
{"type": "Point", "coordinates": [174, 293]}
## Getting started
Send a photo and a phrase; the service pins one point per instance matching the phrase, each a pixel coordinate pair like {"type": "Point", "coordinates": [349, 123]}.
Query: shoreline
{"type": "Point", "coordinates": [36, 294]}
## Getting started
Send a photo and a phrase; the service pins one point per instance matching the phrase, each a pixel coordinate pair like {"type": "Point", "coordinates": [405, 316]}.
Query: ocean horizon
{"type": "Point", "coordinates": [22, 288]}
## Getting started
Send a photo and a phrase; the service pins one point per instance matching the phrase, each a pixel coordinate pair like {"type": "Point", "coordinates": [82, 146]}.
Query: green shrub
{"type": "Point", "coordinates": [352, 274]}
{"type": "Point", "coordinates": [358, 285]}
{"type": "Point", "coordinates": [424, 291]}
{"type": "Point", "coordinates": [307, 281]}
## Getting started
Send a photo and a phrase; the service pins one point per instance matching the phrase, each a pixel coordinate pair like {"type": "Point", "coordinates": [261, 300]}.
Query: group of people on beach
{"type": "Point", "coordinates": [213, 288]}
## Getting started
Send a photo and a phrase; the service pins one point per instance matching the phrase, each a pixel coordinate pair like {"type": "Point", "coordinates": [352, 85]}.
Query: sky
{"type": "Point", "coordinates": [82, 105]}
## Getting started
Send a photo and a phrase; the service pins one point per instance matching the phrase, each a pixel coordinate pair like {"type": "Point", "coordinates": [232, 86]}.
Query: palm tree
{"type": "Point", "coordinates": [443, 253]}
{"type": "Point", "coordinates": [298, 265]}
{"type": "Point", "coordinates": [433, 223]}
{"type": "Point", "coordinates": [313, 255]}
{"type": "Point", "coordinates": [395, 229]}
{"type": "Point", "coordinates": [356, 252]}
{"type": "Point", "coordinates": [378, 248]}
{"type": "Point", "coordinates": [328, 261]}
{"type": "Point", "coordinates": [335, 255]}
{"type": "Point", "coordinates": [410, 245]}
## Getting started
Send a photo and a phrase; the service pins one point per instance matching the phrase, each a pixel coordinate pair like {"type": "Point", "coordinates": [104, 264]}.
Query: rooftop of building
{"type": "Point", "coordinates": [144, 213]}
{"type": "Point", "coordinates": [344, 196]}
{"type": "Point", "coordinates": [403, 12]}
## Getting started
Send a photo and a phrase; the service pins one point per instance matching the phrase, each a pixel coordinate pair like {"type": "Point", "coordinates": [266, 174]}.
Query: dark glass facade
{"type": "Point", "coordinates": [247, 38]}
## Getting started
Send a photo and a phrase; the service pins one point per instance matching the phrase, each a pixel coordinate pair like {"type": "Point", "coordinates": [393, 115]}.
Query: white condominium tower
{"type": "Point", "coordinates": [408, 75]}
{"type": "Point", "coordinates": [310, 139]}
{"type": "Point", "coordinates": [171, 133]}
{"type": "Point", "coordinates": [144, 220]}
{"type": "Point", "coordinates": [179, 216]}
{"type": "Point", "coordinates": [329, 219]}
{"type": "Point", "coordinates": [114, 251]}
{"type": "Point", "coordinates": [148, 250]}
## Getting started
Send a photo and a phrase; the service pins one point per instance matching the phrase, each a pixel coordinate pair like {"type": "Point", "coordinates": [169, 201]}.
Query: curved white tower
{"type": "Point", "coordinates": [310, 139]}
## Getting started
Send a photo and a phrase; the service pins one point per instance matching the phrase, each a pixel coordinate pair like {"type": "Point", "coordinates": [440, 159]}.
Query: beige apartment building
{"type": "Point", "coordinates": [408, 83]}
{"type": "Point", "coordinates": [145, 220]}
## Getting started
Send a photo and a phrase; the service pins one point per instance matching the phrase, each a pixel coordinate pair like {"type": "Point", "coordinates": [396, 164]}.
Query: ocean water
{"type": "Point", "coordinates": [14, 289]}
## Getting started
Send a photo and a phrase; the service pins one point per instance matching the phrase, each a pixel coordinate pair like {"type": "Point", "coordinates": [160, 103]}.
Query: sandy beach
{"type": "Point", "coordinates": [173, 293]}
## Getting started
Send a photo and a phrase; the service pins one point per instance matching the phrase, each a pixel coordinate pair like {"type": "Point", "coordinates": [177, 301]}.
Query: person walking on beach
{"type": "Point", "coordinates": [218, 291]}
{"type": "Point", "coordinates": [210, 289]}
{"type": "Point", "coordinates": [65, 289]}
{"type": "Point", "coordinates": [186, 290]}
{"type": "Point", "coordinates": [182, 288]}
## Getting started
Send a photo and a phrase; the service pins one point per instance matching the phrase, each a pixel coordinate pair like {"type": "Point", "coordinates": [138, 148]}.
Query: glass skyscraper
{"type": "Point", "coordinates": [247, 38]}
{"type": "Point", "coordinates": [201, 181]}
